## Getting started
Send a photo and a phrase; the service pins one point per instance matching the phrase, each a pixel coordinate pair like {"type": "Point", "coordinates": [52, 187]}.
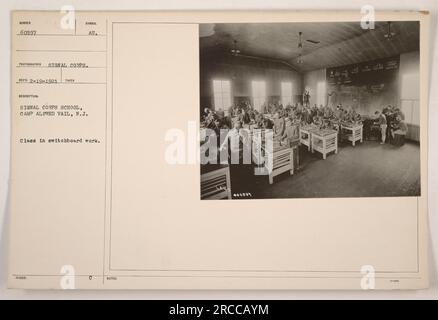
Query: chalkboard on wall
{"type": "Point", "coordinates": [366, 86]}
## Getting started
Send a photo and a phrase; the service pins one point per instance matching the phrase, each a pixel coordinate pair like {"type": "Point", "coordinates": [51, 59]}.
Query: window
{"type": "Point", "coordinates": [410, 108]}
{"type": "Point", "coordinates": [320, 93]}
{"type": "Point", "coordinates": [258, 94]}
{"type": "Point", "coordinates": [410, 86]}
{"type": "Point", "coordinates": [222, 94]}
{"type": "Point", "coordinates": [410, 91]}
{"type": "Point", "coordinates": [286, 93]}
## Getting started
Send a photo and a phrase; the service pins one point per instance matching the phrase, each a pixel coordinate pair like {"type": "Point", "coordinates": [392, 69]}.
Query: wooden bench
{"type": "Point", "coordinates": [215, 182]}
{"type": "Point", "coordinates": [325, 141]}
{"type": "Point", "coordinates": [275, 161]}
{"type": "Point", "coordinates": [355, 132]}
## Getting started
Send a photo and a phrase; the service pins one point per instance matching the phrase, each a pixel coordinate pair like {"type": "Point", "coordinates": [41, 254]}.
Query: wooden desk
{"type": "Point", "coordinates": [325, 141]}
{"type": "Point", "coordinates": [281, 158]}
{"type": "Point", "coordinates": [282, 161]}
{"type": "Point", "coordinates": [356, 132]}
{"type": "Point", "coordinates": [256, 150]}
{"type": "Point", "coordinates": [215, 182]}
{"type": "Point", "coordinates": [306, 135]}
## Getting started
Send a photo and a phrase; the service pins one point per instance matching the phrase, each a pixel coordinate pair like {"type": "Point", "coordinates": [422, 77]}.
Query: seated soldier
{"type": "Point", "coordinates": [317, 120]}
{"type": "Point", "coordinates": [399, 127]}
{"type": "Point", "coordinates": [338, 112]}
{"type": "Point", "coordinates": [231, 111]}
{"type": "Point", "coordinates": [355, 116]}
{"type": "Point", "coordinates": [291, 132]}
{"type": "Point", "coordinates": [400, 133]}
{"type": "Point", "coordinates": [328, 113]}
{"type": "Point", "coordinates": [402, 128]}
{"type": "Point", "coordinates": [258, 121]}
{"type": "Point", "coordinates": [279, 125]}
{"type": "Point", "coordinates": [206, 113]}
{"type": "Point", "coordinates": [244, 117]}
{"type": "Point", "coordinates": [267, 124]}
{"type": "Point", "coordinates": [291, 138]}
{"type": "Point", "coordinates": [321, 111]}
{"type": "Point", "coordinates": [220, 113]}
{"type": "Point", "coordinates": [399, 113]}
{"type": "Point", "coordinates": [346, 117]}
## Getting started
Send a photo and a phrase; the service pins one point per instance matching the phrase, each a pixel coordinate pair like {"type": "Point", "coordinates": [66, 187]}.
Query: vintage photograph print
{"type": "Point", "coordinates": [309, 110]}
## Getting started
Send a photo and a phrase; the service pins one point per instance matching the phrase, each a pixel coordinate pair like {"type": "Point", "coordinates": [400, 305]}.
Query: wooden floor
{"type": "Point", "coordinates": [367, 170]}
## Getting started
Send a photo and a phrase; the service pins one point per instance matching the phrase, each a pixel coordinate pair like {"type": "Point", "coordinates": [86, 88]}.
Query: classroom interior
{"type": "Point", "coordinates": [350, 97]}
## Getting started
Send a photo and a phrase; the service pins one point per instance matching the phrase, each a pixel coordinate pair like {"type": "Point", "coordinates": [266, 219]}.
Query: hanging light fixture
{"type": "Point", "coordinates": [389, 34]}
{"type": "Point", "coordinates": [300, 48]}
{"type": "Point", "coordinates": [300, 42]}
{"type": "Point", "coordinates": [235, 51]}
